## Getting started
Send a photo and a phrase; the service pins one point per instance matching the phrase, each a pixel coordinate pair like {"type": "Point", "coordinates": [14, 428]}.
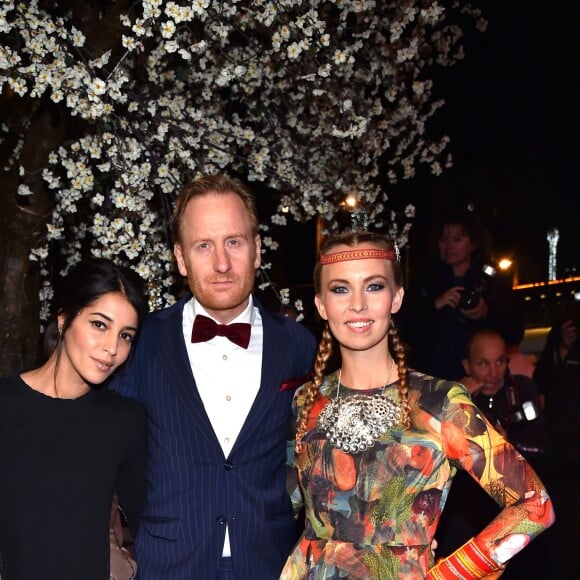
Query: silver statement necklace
{"type": "Point", "coordinates": [355, 422]}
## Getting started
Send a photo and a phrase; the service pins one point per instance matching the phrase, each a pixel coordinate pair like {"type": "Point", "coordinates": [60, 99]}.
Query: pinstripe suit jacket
{"type": "Point", "coordinates": [193, 490]}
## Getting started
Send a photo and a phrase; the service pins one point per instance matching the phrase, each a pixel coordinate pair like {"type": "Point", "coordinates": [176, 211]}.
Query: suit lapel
{"type": "Point", "coordinates": [274, 354]}
{"type": "Point", "coordinates": [181, 378]}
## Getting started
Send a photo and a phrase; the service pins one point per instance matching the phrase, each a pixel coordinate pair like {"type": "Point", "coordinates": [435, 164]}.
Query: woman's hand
{"type": "Point", "coordinates": [451, 297]}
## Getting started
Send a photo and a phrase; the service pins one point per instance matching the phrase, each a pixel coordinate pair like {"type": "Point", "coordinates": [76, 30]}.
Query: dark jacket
{"type": "Point", "coordinates": [436, 339]}
{"type": "Point", "coordinates": [193, 490]}
{"type": "Point", "coordinates": [517, 408]}
{"type": "Point", "coordinates": [559, 381]}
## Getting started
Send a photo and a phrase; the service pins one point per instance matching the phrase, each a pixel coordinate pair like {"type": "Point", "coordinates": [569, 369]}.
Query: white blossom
{"type": "Point", "coordinates": [24, 190]}
{"type": "Point", "coordinates": [310, 102]}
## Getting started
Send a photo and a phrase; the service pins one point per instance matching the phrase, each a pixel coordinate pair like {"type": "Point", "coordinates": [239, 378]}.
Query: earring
{"type": "Point", "coordinates": [60, 331]}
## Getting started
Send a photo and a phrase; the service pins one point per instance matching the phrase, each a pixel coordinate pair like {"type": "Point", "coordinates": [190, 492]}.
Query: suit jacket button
{"type": "Point", "coordinates": [228, 465]}
{"type": "Point", "coordinates": [221, 520]}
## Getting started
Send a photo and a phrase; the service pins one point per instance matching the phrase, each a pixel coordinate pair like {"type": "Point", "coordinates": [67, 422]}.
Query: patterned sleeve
{"type": "Point", "coordinates": [471, 443]}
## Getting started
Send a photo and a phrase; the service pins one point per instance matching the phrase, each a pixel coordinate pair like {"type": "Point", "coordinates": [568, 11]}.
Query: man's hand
{"type": "Point", "coordinates": [472, 386]}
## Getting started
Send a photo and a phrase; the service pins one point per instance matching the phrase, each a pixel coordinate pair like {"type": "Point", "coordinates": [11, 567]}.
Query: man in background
{"type": "Point", "coordinates": [512, 404]}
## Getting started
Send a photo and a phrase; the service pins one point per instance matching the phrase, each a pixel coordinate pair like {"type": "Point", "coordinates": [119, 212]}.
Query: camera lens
{"type": "Point", "coordinates": [469, 299]}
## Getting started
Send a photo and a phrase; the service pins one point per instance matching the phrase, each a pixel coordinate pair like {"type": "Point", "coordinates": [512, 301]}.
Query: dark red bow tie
{"type": "Point", "coordinates": [205, 328]}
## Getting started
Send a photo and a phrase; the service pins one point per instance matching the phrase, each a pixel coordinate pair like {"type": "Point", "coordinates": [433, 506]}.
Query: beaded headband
{"type": "Point", "coordinates": [357, 255]}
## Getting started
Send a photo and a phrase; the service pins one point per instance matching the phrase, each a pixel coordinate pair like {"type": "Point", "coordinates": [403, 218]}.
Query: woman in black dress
{"type": "Point", "coordinates": [66, 443]}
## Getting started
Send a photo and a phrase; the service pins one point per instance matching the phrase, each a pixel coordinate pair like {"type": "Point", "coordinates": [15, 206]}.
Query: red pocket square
{"type": "Point", "coordinates": [293, 384]}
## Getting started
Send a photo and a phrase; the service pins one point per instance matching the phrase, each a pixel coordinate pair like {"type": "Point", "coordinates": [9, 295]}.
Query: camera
{"type": "Point", "coordinates": [469, 299]}
{"type": "Point", "coordinates": [528, 411]}
{"type": "Point", "coordinates": [471, 296]}
{"type": "Point", "coordinates": [517, 412]}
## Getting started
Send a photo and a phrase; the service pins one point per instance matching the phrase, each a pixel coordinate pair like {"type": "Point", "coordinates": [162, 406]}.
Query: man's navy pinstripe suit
{"type": "Point", "coordinates": [193, 490]}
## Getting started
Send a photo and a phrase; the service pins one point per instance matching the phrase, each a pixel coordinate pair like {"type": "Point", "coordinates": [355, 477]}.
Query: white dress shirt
{"type": "Point", "coordinates": [227, 376]}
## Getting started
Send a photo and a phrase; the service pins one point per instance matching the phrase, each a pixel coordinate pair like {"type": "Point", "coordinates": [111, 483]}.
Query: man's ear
{"type": "Point", "coordinates": [320, 307]}
{"type": "Point", "coordinates": [179, 258]}
{"type": "Point", "coordinates": [465, 363]}
{"type": "Point", "coordinates": [397, 300]}
{"type": "Point", "coordinates": [258, 259]}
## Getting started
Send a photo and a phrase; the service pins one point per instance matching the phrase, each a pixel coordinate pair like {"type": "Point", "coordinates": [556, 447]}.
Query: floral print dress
{"type": "Point", "coordinates": [374, 514]}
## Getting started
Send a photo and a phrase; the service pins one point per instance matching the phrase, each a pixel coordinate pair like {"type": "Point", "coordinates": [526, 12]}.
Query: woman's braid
{"type": "Point", "coordinates": [401, 361]}
{"type": "Point", "coordinates": [311, 388]}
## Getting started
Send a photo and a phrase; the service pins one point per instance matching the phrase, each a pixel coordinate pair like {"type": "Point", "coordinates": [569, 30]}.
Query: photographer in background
{"type": "Point", "coordinates": [512, 404]}
{"type": "Point", "coordinates": [557, 375]}
{"type": "Point", "coordinates": [457, 295]}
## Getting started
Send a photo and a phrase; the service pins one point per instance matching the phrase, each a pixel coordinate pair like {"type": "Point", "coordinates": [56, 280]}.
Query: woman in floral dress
{"type": "Point", "coordinates": [377, 444]}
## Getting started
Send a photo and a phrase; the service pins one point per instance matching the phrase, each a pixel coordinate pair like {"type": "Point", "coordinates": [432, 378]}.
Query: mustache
{"type": "Point", "coordinates": [222, 278]}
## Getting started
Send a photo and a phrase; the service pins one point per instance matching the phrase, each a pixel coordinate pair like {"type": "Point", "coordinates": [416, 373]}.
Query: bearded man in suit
{"type": "Point", "coordinates": [209, 370]}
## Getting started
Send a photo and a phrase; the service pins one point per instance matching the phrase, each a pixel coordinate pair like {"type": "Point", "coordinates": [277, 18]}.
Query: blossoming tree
{"type": "Point", "coordinates": [109, 106]}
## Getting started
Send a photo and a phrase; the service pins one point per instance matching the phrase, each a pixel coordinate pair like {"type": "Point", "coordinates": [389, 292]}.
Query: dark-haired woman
{"type": "Point", "coordinates": [66, 444]}
{"type": "Point", "coordinates": [377, 445]}
{"type": "Point", "coordinates": [457, 294]}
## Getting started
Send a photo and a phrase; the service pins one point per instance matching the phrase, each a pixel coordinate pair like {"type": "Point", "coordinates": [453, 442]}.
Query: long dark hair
{"type": "Point", "coordinates": [85, 283]}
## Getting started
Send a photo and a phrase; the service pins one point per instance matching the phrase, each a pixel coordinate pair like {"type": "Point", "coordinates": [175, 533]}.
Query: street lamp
{"type": "Point", "coordinates": [351, 201]}
{"type": "Point", "coordinates": [505, 264]}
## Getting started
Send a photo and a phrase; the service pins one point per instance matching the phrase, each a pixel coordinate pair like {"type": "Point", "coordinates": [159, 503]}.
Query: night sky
{"type": "Point", "coordinates": [514, 137]}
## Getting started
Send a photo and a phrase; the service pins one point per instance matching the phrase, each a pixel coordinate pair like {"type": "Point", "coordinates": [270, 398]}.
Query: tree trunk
{"type": "Point", "coordinates": [22, 224]}
{"type": "Point", "coordinates": [19, 305]}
